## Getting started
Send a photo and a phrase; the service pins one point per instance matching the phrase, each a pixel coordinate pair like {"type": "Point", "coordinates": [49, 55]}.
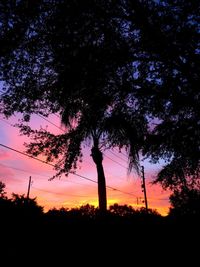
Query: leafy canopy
{"type": "Point", "coordinates": [74, 58]}
{"type": "Point", "coordinates": [107, 67]}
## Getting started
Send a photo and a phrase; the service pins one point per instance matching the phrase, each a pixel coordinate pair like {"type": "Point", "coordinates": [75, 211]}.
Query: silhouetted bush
{"type": "Point", "coordinates": [2, 190]}
{"type": "Point", "coordinates": [185, 202]}
{"type": "Point", "coordinates": [121, 210]}
{"type": "Point", "coordinates": [26, 207]}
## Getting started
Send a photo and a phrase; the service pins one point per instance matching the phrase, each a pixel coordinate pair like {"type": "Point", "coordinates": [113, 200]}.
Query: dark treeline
{"type": "Point", "coordinates": [184, 206]}
{"type": "Point", "coordinates": [80, 234]}
{"type": "Point", "coordinates": [19, 208]}
{"type": "Point", "coordinates": [119, 74]}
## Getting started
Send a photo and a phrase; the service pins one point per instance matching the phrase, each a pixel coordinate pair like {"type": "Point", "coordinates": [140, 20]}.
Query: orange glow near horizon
{"type": "Point", "coordinates": [162, 209]}
{"type": "Point", "coordinates": [73, 191]}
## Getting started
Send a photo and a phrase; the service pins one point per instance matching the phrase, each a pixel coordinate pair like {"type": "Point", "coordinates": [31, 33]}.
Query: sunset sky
{"type": "Point", "coordinates": [73, 191]}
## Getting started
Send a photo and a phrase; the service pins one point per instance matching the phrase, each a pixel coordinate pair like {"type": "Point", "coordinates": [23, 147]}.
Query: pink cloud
{"type": "Point", "coordinates": [5, 173]}
{"type": "Point", "coordinates": [73, 190]}
{"type": "Point", "coordinates": [4, 154]}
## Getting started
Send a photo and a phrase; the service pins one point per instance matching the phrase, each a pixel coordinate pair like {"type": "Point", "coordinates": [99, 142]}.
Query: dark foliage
{"type": "Point", "coordinates": [109, 68]}
{"type": "Point", "coordinates": [2, 190]}
{"type": "Point", "coordinates": [75, 59]}
{"type": "Point", "coordinates": [62, 233]}
{"type": "Point", "coordinates": [171, 96]}
{"type": "Point", "coordinates": [185, 202]}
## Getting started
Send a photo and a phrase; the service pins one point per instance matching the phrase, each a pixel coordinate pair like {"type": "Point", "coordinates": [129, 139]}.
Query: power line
{"type": "Point", "coordinates": [22, 170]}
{"type": "Point", "coordinates": [104, 154]}
{"type": "Point", "coordinates": [27, 155]}
{"type": "Point", "coordinates": [64, 131]}
{"type": "Point", "coordinates": [6, 122]}
{"type": "Point", "coordinates": [56, 115]}
{"type": "Point", "coordinates": [86, 178]}
{"type": "Point", "coordinates": [26, 171]}
{"type": "Point", "coordinates": [115, 161]}
{"type": "Point", "coordinates": [22, 153]}
{"type": "Point", "coordinates": [57, 193]}
{"type": "Point", "coordinates": [116, 155]}
{"type": "Point", "coordinates": [121, 153]}
{"type": "Point", "coordinates": [41, 175]}
{"type": "Point", "coordinates": [50, 122]}
{"type": "Point", "coordinates": [81, 176]}
{"type": "Point", "coordinates": [116, 176]}
{"type": "Point", "coordinates": [72, 172]}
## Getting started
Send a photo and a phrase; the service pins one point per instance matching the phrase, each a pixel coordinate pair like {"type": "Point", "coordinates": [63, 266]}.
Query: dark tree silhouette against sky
{"type": "Point", "coordinates": [110, 70]}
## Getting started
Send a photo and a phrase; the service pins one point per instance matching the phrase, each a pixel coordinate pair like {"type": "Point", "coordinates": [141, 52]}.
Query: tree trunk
{"type": "Point", "coordinates": [98, 158]}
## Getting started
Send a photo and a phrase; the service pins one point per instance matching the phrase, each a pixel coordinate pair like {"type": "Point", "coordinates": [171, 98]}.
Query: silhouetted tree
{"type": "Point", "coordinates": [121, 210]}
{"type": "Point", "coordinates": [2, 190]}
{"type": "Point", "coordinates": [171, 96]}
{"type": "Point", "coordinates": [84, 212]}
{"type": "Point", "coordinates": [150, 212]}
{"type": "Point", "coordinates": [75, 58]}
{"type": "Point", "coordinates": [26, 207]}
{"type": "Point", "coordinates": [185, 202]}
{"type": "Point", "coordinates": [57, 212]}
{"type": "Point", "coordinates": [5, 203]}
{"type": "Point", "coordinates": [13, 27]}
{"type": "Point", "coordinates": [107, 67]}
{"type": "Point", "coordinates": [18, 206]}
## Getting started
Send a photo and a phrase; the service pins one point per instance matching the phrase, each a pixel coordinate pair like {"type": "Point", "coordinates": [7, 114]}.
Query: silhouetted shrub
{"type": "Point", "coordinates": [185, 202]}
{"type": "Point", "coordinates": [121, 210]}
{"type": "Point", "coordinates": [26, 207]}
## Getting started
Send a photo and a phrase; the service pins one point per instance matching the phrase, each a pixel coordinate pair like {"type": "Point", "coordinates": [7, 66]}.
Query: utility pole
{"type": "Point", "coordinates": [144, 188]}
{"type": "Point", "coordinates": [29, 186]}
